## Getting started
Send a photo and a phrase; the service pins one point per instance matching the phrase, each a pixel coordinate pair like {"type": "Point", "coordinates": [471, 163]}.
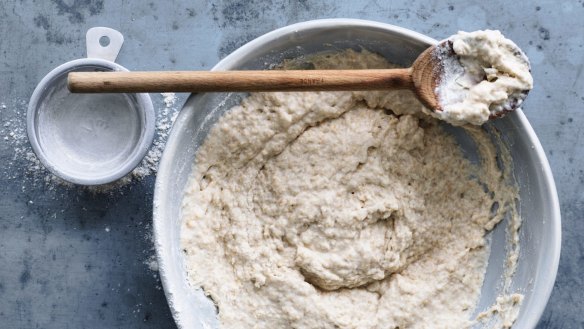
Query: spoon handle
{"type": "Point", "coordinates": [209, 81]}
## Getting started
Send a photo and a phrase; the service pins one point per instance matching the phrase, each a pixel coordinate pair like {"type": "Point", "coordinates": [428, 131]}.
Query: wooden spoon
{"type": "Point", "coordinates": [423, 77]}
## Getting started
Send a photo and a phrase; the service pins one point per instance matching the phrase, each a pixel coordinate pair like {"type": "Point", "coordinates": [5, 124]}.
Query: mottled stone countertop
{"type": "Point", "coordinates": [72, 257]}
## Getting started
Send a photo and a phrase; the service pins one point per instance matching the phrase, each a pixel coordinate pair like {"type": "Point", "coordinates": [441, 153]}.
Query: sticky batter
{"type": "Point", "coordinates": [340, 210]}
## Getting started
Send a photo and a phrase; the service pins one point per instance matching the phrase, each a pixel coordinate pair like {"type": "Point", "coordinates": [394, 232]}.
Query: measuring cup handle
{"type": "Point", "coordinates": [108, 52]}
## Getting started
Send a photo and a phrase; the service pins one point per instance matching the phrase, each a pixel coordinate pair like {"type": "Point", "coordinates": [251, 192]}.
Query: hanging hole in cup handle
{"type": "Point", "coordinates": [103, 43]}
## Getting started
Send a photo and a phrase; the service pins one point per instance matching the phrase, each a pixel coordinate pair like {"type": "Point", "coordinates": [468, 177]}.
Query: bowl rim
{"type": "Point", "coordinates": [538, 305]}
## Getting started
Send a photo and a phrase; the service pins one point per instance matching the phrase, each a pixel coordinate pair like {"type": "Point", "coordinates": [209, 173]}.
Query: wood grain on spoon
{"type": "Point", "coordinates": [275, 80]}
{"type": "Point", "coordinates": [421, 78]}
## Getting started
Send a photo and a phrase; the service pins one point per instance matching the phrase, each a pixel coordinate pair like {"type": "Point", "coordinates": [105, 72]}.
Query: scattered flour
{"type": "Point", "coordinates": [169, 99]}
{"type": "Point", "coordinates": [151, 261]}
{"type": "Point", "coordinates": [24, 164]}
{"type": "Point", "coordinates": [21, 166]}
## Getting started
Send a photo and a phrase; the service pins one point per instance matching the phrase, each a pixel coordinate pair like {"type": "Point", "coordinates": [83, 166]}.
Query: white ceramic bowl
{"type": "Point", "coordinates": [538, 204]}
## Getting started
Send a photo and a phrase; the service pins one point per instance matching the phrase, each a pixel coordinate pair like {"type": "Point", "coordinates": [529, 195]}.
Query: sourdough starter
{"type": "Point", "coordinates": [340, 210]}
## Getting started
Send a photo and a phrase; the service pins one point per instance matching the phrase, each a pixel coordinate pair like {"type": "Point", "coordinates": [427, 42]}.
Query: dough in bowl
{"type": "Point", "coordinates": [341, 210]}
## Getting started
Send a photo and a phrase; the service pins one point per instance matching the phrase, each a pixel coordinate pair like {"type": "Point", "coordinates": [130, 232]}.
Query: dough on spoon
{"type": "Point", "coordinates": [484, 75]}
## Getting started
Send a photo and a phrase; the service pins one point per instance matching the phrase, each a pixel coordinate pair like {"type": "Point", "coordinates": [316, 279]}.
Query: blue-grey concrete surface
{"type": "Point", "coordinates": [71, 258]}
